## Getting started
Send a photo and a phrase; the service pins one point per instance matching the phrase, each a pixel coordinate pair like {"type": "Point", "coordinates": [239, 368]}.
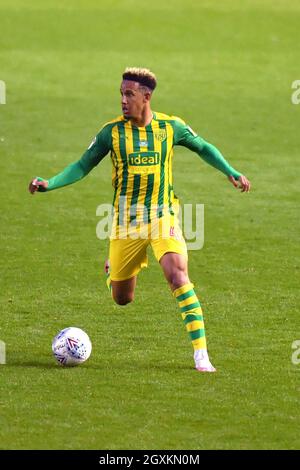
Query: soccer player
{"type": "Point", "coordinates": [141, 142]}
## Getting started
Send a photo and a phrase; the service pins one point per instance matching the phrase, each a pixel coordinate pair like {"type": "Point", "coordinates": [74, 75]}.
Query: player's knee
{"type": "Point", "coordinates": [178, 279]}
{"type": "Point", "coordinates": [122, 299]}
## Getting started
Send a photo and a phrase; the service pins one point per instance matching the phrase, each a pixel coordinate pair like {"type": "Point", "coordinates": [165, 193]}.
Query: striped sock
{"type": "Point", "coordinates": [192, 316]}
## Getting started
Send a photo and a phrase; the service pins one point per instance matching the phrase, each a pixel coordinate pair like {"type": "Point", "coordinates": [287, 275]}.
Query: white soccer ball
{"type": "Point", "coordinates": [71, 346]}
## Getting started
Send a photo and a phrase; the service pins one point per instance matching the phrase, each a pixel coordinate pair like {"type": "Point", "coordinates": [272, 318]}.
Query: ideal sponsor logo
{"type": "Point", "coordinates": [144, 158]}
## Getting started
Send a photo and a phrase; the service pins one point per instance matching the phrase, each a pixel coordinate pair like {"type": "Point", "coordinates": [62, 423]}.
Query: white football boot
{"type": "Point", "coordinates": [202, 362]}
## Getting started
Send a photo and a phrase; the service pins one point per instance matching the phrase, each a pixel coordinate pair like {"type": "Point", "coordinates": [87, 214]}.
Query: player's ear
{"type": "Point", "coordinates": [147, 95]}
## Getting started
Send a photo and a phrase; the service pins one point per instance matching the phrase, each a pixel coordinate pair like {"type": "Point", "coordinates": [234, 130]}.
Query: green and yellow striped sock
{"type": "Point", "coordinates": [191, 313]}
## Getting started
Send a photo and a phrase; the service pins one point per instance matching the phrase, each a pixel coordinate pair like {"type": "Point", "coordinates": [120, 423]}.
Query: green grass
{"type": "Point", "coordinates": [227, 69]}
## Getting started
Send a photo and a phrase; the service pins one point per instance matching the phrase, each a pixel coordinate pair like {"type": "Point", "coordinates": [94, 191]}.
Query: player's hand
{"type": "Point", "coordinates": [38, 184]}
{"type": "Point", "coordinates": [243, 183]}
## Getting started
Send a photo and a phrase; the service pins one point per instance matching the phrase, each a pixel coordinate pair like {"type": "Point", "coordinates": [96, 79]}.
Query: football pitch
{"type": "Point", "coordinates": [227, 69]}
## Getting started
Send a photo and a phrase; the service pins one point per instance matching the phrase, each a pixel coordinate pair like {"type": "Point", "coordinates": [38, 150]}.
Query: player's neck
{"type": "Point", "coordinates": [144, 119]}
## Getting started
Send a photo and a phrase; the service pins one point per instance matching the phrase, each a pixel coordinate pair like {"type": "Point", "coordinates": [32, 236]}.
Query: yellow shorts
{"type": "Point", "coordinates": [128, 255]}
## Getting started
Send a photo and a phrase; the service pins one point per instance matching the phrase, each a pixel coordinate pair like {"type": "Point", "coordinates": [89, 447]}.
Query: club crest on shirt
{"type": "Point", "coordinates": [160, 135]}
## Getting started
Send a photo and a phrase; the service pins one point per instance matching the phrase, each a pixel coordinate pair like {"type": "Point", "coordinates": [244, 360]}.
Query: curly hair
{"type": "Point", "coordinates": [141, 75]}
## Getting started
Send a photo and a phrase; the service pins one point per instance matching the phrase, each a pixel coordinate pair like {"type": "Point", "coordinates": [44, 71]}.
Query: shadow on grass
{"type": "Point", "coordinates": [120, 366]}
{"type": "Point", "coordinates": [99, 367]}
{"type": "Point", "coordinates": [45, 363]}
{"type": "Point", "coordinates": [37, 364]}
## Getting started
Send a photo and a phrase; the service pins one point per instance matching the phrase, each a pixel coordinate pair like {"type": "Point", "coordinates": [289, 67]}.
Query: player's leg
{"type": "Point", "coordinates": [126, 258]}
{"type": "Point", "coordinates": [123, 291]}
{"type": "Point", "coordinates": [171, 252]}
{"type": "Point", "coordinates": [175, 269]}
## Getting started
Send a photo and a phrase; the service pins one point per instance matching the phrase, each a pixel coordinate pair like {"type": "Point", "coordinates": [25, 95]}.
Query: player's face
{"type": "Point", "coordinates": [133, 99]}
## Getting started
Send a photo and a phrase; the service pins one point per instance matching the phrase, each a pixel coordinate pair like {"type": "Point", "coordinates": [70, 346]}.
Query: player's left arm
{"type": "Point", "coordinates": [79, 169]}
{"type": "Point", "coordinates": [184, 135]}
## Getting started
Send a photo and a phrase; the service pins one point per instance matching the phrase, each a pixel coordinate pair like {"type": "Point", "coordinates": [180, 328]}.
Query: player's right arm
{"type": "Point", "coordinates": [184, 135]}
{"type": "Point", "coordinates": [77, 170]}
